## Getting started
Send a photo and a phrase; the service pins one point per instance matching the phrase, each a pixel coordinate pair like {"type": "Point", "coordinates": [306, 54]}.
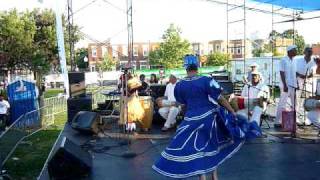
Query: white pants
{"type": "Point", "coordinates": [170, 114]}
{"type": "Point", "coordinates": [256, 114]}
{"type": "Point", "coordinates": [314, 117]}
{"type": "Point", "coordinates": [300, 103]}
{"type": "Point", "coordinates": [283, 102]}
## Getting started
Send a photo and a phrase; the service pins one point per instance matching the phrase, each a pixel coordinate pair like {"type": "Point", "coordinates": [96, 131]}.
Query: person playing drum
{"type": "Point", "coordinates": [168, 107]}
{"type": "Point", "coordinates": [254, 90]}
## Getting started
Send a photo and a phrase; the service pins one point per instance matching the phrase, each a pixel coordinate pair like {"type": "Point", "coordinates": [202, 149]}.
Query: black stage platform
{"type": "Point", "coordinates": [269, 158]}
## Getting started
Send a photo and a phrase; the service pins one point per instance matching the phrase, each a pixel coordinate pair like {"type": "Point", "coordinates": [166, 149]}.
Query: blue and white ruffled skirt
{"type": "Point", "coordinates": [203, 142]}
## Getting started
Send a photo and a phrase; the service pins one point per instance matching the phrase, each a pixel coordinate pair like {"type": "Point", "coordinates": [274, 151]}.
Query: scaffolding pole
{"type": "Point", "coordinates": [231, 22]}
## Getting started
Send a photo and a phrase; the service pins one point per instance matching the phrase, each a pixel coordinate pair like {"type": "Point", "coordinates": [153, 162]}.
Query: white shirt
{"type": "Point", "coordinates": [4, 106]}
{"type": "Point", "coordinates": [302, 66]}
{"type": "Point", "coordinates": [170, 92]}
{"type": "Point", "coordinates": [257, 91]}
{"type": "Point", "coordinates": [288, 67]}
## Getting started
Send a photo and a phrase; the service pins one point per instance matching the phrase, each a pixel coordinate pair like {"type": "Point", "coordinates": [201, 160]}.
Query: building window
{"type": "Point", "coordinates": [145, 51]}
{"type": "Point", "coordinates": [94, 52]}
{"type": "Point", "coordinates": [104, 51]}
{"type": "Point", "coordinates": [135, 51]}
{"type": "Point", "coordinates": [125, 50]}
{"type": "Point", "coordinates": [238, 50]}
{"type": "Point", "coordinates": [114, 51]}
{"type": "Point", "coordinates": [217, 47]}
{"type": "Point", "coordinates": [232, 51]}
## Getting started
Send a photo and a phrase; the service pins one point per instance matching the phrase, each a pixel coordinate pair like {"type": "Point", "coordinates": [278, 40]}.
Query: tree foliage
{"type": "Point", "coordinates": [217, 59]}
{"type": "Point", "coordinates": [107, 64]}
{"type": "Point", "coordinates": [28, 39]}
{"type": "Point", "coordinates": [289, 34]}
{"type": "Point", "coordinates": [172, 50]}
{"type": "Point", "coordinates": [80, 54]}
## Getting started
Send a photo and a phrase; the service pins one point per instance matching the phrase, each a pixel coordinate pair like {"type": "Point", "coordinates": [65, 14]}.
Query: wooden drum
{"type": "Point", "coordinates": [147, 104]}
{"type": "Point", "coordinates": [140, 109]}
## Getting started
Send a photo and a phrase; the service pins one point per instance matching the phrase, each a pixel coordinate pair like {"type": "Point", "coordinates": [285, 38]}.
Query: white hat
{"type": "Point", "coordinates": [254, 65]}
{"type": "Point", "coordinates": [291, 47]}
{"type": "Point", "coordinates": [256, 72]}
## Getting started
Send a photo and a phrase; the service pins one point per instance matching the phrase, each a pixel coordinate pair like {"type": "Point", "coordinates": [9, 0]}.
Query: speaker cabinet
{"type": "Point", "coordinates": [227, 87]}
{"type": "Point", "coordinates": [69, 162]}
{"type": "Point", "coordinates": [86, 122]}
{"type": "Point", "coordinates": [78, 104]}
{"type": "Point", "coordinates": [77, 85]}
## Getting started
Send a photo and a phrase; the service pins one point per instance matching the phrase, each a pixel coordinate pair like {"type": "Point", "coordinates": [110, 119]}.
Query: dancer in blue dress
{"type": "Point", "coordinates": [209, 134]}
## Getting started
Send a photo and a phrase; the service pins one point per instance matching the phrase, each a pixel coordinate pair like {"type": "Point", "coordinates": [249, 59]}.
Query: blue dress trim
{"type": "Point", "coordinates": [207, 136]}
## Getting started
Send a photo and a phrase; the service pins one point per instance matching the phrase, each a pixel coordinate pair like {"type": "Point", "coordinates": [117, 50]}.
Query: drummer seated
{"type": "Point", "coordinates": [169, 108]}
{"type": "Point", "coordinates": [255, 90]}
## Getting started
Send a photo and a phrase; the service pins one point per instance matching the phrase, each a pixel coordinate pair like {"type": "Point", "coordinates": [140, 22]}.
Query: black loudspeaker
{"type": "Point", "coordinates": [78, 104]}
{"type": "Point", "coordinates": [227, 87]}
{"type": "Point", "coordinates": [69, 162]}
{"type": "Point", "coordinates": [157, 90]}
{"type": "Point", "coordinates": [77, 85]}
{"type": "Point", "coordinates": [86, 122]}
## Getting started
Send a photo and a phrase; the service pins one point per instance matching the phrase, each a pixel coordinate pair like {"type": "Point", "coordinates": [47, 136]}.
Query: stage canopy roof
{"type": "Point", "coordinates": [304, 5]}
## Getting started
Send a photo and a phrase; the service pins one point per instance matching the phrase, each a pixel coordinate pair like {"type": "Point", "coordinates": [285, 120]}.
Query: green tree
{"type": "Point", "coordinates": [172, 50]}
{"type": "Point", "coordinates": [217, 59]}
{"type": "Point", "coordinates": [298, 39]}
{"type": "Point", "coordinates": [29, 40]}
{"type": "Point", "coordinates": [17, 31]}
{"type": "Point", "coordinates": [80, 54]}
{"type": "Point", "coordinates": [288, 34]}
{"type": "Point", "coordinates": [107, 64]}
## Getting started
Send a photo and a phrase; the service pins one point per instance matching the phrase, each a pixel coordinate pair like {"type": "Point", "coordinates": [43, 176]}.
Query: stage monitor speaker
{"type": "Point", "coordinates": [69, 162]}
{"type": "Point", "coordinates": [86, 122]}
{"type": "Point", "coordinates": [78, 104]}
{"type": "Point", "coordinates": [227, 87]}
{"type": "Point", "coordinates": [77, 85]}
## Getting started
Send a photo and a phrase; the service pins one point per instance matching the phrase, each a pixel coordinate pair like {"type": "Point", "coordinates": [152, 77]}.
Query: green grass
{"type": "Point", "coordinates": [29, 157]}
{"type": "Point", "coordinates": [52, 92]}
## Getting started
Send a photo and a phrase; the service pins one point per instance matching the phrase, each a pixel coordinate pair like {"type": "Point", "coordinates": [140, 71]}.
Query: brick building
{"type": "Point", "coordinates": [119, 52]}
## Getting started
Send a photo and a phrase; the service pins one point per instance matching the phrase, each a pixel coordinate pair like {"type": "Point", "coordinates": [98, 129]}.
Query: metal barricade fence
{"type": "Point", "coordinates": [28, 124]}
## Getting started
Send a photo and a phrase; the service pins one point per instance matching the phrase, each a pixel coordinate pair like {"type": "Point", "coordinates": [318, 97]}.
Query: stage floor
{"type": "Point", "coordinates": [270, 158]}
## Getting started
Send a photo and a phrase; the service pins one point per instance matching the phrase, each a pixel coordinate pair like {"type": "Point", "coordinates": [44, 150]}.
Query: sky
{"type": "Point", "coordinates": [199, 20]}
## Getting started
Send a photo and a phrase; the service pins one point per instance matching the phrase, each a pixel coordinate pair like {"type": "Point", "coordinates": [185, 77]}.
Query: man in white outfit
{"type": "Point", "coordinates": [4, 109]}
{"type": "Point", "coordinates": [255, 90]}
{"type": "Point", "coordinates": [304, 66]}
{"type": "Point", "coordinates": [170, 111]}
{"type": "Point", "coordinates": [288, 83]}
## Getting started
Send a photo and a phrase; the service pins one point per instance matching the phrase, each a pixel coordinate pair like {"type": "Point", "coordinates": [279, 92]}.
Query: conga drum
{"type": "Point", "coordinates": [312, 103]}
{"type": "Point", "coordinates": [134, 112]}
{"type": "Point", "coordinates": [147, 104]}
{"type": "Point", "coordinates": [239, 102]}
